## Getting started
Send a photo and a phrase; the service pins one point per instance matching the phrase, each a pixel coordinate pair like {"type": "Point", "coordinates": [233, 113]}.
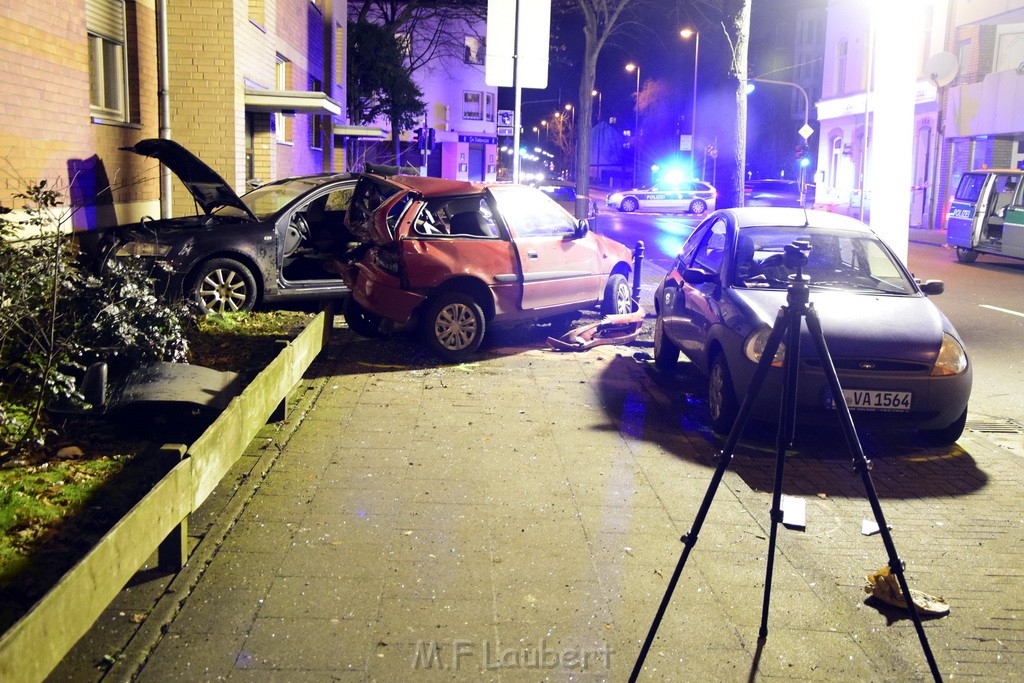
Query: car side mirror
{"type": "Point", "coordinates": [582, 228]}
{"type": "Point", "coordinates": [697, 276]}
{"type": "Point", "coordinates": [932, 287]}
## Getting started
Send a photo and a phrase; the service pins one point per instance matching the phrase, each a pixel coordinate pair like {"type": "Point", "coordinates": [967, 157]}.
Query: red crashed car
{"type": "Point", "coordinates": [458, 257]}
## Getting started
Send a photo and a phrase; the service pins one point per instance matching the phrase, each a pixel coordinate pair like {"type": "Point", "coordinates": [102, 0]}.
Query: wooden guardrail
{"type": "Point", "coordinates": [33, 646]}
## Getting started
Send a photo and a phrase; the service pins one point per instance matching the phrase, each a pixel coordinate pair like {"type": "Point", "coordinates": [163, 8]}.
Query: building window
{"type": "Point", "coordinates": [472, 106]}
{"type": "Point", "coordinates": [282, 123]}
{"type": "Point", "coordinates": [108, 88]}
{"type": "Point", "coordinates": [316, 128]}
{"type": "Point", "coordinates": [474, 50]}
{"type": "Point", "coordinates": [841, 50]}
{"type": "Point", "coordinates": [489, 106]}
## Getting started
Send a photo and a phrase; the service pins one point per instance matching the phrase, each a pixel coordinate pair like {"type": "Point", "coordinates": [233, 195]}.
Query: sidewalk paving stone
{"type": "Point", "coordinates": [508, 518]}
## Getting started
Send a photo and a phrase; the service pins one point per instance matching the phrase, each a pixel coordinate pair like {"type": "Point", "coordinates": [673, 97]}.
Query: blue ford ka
{"type": "Point", "coordinates": [900, 361]}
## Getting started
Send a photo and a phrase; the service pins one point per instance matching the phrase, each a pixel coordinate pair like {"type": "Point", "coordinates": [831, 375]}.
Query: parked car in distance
{"type": "Point", "coordinates": [772, 192]}
{"type": "Point", "coordinates": [564, 193]}
{"type": "Point", "coordinates": [457, 258]}
{"type": "Point", "coordinates": [901, 363]}
{"type": "Point", "coordinates": [691, 196]}
{"type": "Point", "coordinates": [268, 245]}
{"type": "Point", "coordinates": [986, 215]}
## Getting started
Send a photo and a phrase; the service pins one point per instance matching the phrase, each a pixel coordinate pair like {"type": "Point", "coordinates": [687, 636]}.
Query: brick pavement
{"type": "Point", "coordinates": [517, 517]}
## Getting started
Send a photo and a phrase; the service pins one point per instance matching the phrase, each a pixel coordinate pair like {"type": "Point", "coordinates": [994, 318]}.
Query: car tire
{"type": "Point", "coordinates": [698, 206]}
{"type": "Point", "coordinates": [629, 205]}
{"type": "Point", "coordinates": [360, 320]}
{"type": "Point", "coordinates": [666, 353]}
{"type": "Point", "coordinates": [722, 403]}
{"type": "Point", "coordinates": [618, 298]}
{"type": "Point", "coordinates": [454, 326]}
{"type": "Point", "coordinates": [223, 285]}
{"type": "Point", "coordinates": [964, 255]}
{"type": "Point", "coordinates": [946, 436]}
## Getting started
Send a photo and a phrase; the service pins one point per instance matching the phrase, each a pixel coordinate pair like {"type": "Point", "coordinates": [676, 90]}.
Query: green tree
{"type": "Point", "coordinates": [379, 83]}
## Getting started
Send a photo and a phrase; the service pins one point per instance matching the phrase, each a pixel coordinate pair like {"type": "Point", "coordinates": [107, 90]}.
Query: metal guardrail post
{"type": "Point", "coordinates": [638, 260]}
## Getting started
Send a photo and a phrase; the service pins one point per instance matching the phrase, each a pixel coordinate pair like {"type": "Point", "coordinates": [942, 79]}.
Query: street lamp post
{"type": "Point", "coordinates": [597, 94]}
{"type": "Point", "coordinates": [686, 33]}
{"type": "Point", "coordinates": [636, 123]}
{"type": "Point", "coordinates": [805, 131]}
{"type": "Point", "coordinates": [537, 131]}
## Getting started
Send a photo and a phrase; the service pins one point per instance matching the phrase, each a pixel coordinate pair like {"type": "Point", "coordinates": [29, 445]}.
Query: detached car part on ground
{"type": "Point", "coordinates": [270, 244]}
{"type": "Point", "coordinates": [457, 258]}
{"type": "Point", "coordinates": [901, 363]}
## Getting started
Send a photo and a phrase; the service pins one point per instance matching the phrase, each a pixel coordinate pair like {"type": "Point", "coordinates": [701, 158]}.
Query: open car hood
{"type": "Point", "coordinates": [210, 190]}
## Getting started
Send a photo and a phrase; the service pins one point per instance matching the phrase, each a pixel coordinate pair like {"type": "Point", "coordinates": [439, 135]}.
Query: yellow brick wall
{"type": "Point", "coordinates": [46, 131]}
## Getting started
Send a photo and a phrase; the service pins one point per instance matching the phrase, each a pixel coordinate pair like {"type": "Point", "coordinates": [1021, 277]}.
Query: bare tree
{"type": "Point", "coordinates": [430, 32]}
{"type": "Point", "coordinates": [733, 18]}
{"type": "Point", "coordinates": [601, 19]}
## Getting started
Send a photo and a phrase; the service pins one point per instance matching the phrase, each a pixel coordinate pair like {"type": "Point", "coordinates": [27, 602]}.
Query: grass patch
{"type": "Point", "coordinates": [58, 501]}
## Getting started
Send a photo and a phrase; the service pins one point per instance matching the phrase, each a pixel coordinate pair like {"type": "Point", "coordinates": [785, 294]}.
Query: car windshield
{"type": "Point", "coordinates": [838, 259]}
{"type": "Point", "coordinates": [267, 200]}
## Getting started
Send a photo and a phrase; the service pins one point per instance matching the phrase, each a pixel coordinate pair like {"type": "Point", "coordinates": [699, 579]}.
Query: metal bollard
{"type": "Point", "coordinates": [638, 260]}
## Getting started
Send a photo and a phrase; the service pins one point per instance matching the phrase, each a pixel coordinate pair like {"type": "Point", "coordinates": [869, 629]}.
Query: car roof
{"type": "Point", "coordinates": [435, 187]}
{"type": "Point", "coordinates": [755, 216]}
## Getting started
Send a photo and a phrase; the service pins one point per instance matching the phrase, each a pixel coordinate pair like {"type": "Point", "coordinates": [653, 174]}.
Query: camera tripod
{"type": "Point", "coordinates": [787, 324]}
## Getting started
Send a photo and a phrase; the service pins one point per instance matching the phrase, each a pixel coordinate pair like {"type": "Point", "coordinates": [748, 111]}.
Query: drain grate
{"type": "Point", "coordinates": [996, 427]}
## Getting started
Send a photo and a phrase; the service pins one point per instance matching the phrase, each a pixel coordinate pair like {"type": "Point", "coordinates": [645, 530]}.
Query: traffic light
{"type": "Point", "coordinates": [430, 138]}
{"type": "Point", "coordinates": [801, 152]}
{"type": "Point", "coordinates": [416, 137]}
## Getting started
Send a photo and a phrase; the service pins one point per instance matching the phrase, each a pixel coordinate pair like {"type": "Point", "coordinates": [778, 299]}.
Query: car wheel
{"type": "Point", "coordinates": [360, 320]}
{"type": "Point", "coordinates": [946, 436]}
{"type": "Point", "coordinates": [964, 255]}
{"type": "Point", "coordinates": [629, 205]}
{"type": "Point", "coordinates": [698, 206]}
{"type": "Point", "coordinates": [454, 326]}
{"type": "Point", "coordinates": [618, 298]}
{"type": "Point", "coordinates": [722, 403]}
{"type": "Point", "coordinates": [666, 353]}
{"type": "Point", "coordinates": [223, 285]}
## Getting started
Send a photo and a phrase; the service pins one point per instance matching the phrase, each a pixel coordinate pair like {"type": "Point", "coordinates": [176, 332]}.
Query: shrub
{"type": "Point", "coordinates": [56, 317]}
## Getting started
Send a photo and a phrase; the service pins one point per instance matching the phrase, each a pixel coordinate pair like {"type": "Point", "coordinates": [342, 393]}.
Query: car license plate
{"type": "Point", "coordinates": [868, 399]}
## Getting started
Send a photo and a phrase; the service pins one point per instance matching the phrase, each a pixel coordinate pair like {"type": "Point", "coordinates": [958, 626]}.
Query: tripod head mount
{"type": "Point", "coordinates": [795, 255]}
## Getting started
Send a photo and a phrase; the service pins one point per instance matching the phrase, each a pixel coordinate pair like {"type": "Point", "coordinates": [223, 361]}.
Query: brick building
{"type": "Point", "coordinates": [253, 88]}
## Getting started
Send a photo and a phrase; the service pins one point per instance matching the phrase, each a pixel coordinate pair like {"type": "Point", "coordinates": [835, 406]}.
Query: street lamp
{"type": "Point", "coordinates": [537, 131]}
{"type": "Point", "coordinates": [597, 94]}
{"type": "Point", "coordinates": [636, 121]}
{"type": "Point", "coordinates": [686, 33]}
{"type": "Point", "coordinates": [805, 130]}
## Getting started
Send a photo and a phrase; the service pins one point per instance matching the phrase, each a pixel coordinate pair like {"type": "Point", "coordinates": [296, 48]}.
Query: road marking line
{"type": "Point", "coordinates": [1002, 310]}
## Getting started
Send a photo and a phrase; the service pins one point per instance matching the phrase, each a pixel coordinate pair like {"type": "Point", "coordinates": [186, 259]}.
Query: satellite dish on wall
{"type": "Point", "coordinates": [942, 68]}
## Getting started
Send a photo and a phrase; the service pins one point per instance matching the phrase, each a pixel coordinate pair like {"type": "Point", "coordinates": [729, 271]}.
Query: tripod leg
{"type": "Point", "coordinates": [689, 539]}
{"type": "Point", "coordinates": [863, 467]}
{"type": "Point", "coordinates": [784, 440]}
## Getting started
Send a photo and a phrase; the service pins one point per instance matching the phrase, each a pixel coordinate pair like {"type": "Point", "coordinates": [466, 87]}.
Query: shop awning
{"type": "Point", "coordinates": [290, 102]}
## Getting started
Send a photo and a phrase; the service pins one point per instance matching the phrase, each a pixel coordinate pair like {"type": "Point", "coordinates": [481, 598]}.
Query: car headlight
{"type": "Point", "coordinates": [615, 198]}
{"type": "Point", "coordinates": [150, 249]}
{"type": "Point", "coordinates": [952, 358]}
{"type": "Point", "coordinates": [756, 343]}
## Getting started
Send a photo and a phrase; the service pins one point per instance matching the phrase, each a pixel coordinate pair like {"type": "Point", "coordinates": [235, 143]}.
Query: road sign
{"type": "Point", "coordinates": [505, 131]}
{"type": "Point", "coordinates": [805, 131]}
{"type": "Point", "coordinates": [506, 117]}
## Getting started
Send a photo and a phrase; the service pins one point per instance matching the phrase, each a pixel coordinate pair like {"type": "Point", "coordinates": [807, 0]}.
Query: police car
{"type": "Point", "coordinates": [692, 196]}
